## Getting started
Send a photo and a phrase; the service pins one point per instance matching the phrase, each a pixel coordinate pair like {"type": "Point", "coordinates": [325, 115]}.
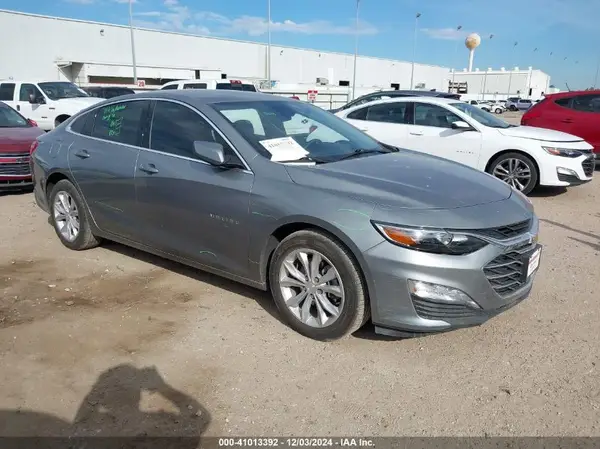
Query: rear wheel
{"type": "Point", "coordinates": [317, 286]}
{"type": "Point", "coordinates": [517, 170]}
{"type": "Point", "coordinates": [70, 218]}
{"type": "Point", "coordinates": [498, 111]}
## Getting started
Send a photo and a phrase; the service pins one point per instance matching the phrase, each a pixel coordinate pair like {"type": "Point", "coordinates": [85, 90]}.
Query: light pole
{"type": "Point", "coordinates": [485, 76]}
{"type": "Point", "coordinates": [511, 68]}
{"type": "Point", "coordinates": [135, 81]}
{"type": "Point", "coordinates": [597, 70]}
{"type": "Point", "coordinates": [458, 28]}
{"type": "Point", "coordinates": [269, 43]}
{"type": "Point", "coordinates": [412, 72]}
{"type": "Point", "coordinates": [531, 75]}
{"type": "Point", "coordinates": [355, 53]}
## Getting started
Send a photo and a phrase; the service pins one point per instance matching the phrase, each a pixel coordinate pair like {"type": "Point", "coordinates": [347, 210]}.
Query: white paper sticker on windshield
{"type": "Point", "coordinates": [284, 149]}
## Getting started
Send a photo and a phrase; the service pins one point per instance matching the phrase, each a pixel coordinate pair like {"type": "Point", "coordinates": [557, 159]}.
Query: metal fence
{"type": "Point", "coordinates": [325, 100]}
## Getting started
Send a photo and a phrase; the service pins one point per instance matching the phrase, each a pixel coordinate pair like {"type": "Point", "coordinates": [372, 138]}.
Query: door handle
{"type": "Point", "coordinates": [83, 154]}
{"type": "Point", "coordinates": [18, 107]}
{"type": "Point", "coordinates": [567, 120]}
{"type": "Point", "coordinates": [150, 169]}
{"type": "Point", "coordinates": [416, 133]}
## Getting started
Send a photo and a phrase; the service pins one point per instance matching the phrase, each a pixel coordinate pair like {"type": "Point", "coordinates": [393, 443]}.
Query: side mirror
{"type": "Point", "coordinates": [213, 153]}
{"type": "Point", "coordinates": [32, 98]}
{"type": "Point", "coordinates": [464, 126]}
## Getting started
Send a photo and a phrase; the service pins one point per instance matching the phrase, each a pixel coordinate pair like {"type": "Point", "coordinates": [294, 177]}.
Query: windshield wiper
{"type": "Point", "coordinates": [316, 160]}
{"type": "Point", "coordinates": [361, 152]}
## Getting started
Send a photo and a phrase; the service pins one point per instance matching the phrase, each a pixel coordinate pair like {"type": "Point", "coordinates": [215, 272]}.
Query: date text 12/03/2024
{"type": "Point", "coordinates": [295, 442]}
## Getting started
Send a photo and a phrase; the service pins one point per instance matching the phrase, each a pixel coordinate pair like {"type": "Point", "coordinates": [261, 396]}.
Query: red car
{"type": "Point", "coordinates": [17, 136]}
{"type": "Point", "coordinates": [575, 112]}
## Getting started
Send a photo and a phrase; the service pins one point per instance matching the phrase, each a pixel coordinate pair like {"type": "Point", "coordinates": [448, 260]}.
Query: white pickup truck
{"type": "Point", "coordinates": [48, 103]}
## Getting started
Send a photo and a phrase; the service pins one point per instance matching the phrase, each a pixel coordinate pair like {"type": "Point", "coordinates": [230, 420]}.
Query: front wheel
{"type": "Point", "coordinates": [517, 170]}
{"type": "Point", "coordinates": [498, 111]}
{"type": "Point", "coordinates": [317, 286]}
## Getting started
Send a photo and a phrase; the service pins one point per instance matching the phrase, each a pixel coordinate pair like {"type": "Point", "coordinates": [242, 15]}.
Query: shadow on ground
{"type": "Point", "coordinates": [594, 245]}
{"type": "Point", "coordinates": [547, 192]}
{"type": "Point", "coordinates": [110, 416]}
{"type": "Point", "coordinates": [262, 298]}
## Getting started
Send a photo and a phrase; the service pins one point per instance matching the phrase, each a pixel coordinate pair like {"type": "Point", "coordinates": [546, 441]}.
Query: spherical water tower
{"type": "Point", "coordinates": [472, 41]}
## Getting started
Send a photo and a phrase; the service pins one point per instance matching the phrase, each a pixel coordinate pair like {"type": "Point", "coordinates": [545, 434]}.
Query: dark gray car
{"type": "Point", "coordinates": [282, 195]}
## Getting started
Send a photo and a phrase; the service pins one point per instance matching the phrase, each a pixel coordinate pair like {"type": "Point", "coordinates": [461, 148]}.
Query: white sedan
{"type": "Point", "coordinates": [522, 156]}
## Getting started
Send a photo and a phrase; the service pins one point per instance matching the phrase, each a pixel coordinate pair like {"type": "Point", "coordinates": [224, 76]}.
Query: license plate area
{"type": "Point", "coordinates": [531, 262]}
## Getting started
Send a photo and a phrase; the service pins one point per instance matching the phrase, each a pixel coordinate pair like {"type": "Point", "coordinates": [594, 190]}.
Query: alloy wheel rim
{"type": "Point", "coordinates": [311, 287]}
{"type": "Point", "coordinates": [514, 172]}
{"type": "Point", "coordinates": [66, 216]}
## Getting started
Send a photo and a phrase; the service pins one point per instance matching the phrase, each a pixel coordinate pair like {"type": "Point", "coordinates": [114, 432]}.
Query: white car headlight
{"type": "Point", "coordinates": [565, 152]}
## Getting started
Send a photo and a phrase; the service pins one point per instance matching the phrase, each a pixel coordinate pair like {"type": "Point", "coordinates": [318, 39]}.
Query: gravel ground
{"type": "Point", "coordinates": [100, 341]}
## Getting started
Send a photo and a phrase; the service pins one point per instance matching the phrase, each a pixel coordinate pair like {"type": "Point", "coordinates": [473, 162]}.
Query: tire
{"type": "Point", "coordinates": [83, 239]}
{"type": "Point", "coordinates": [513, 108]}
{"type": "Point", "coordinates": [498, 111]}
{"type": "Point", "coordinates": [354, 311]}
{"type": "Point", "coordinates": [523, 159]}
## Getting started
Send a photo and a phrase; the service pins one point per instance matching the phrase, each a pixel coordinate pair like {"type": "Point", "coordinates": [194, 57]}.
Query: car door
{"type": "Point", "coordinates": [102, 160]}
{"type": "Point", "coordinates": [39, 110]}
{"type": "Point", "coordinates": [431, 132]}
{"type": "Point", "coordinates": [583, 119]}
{"type": "Point", "coordinates": [189, 208]}
{"type": "Point", "coordinates": [385, 122]}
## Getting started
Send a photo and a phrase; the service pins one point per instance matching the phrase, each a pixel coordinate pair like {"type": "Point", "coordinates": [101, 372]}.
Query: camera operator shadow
{"type": "Point", "coordinates": [112, 409]}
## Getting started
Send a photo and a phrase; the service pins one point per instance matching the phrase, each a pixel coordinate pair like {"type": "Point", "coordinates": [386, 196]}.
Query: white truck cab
{"type": "Point", "coordinates": [211, 84]}
{"type": "Point", "coordinates": [48, 103]}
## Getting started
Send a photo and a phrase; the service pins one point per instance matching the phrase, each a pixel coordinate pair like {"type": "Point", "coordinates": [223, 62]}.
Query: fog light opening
{"type": "Point", "coordinates": [566, 171]}
{"type": "Point", "coordinates": [440, 293]}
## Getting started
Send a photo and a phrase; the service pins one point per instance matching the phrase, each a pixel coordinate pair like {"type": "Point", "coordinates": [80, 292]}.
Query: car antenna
{"type": "Point", "coordinates": [568, 88]}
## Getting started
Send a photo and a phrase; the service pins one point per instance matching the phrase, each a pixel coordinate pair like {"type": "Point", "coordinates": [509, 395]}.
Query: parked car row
{"type": "Point", "coordinates": [417, 219]}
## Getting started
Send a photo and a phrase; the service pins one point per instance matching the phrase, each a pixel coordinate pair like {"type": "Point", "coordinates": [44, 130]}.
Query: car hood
{"type": "Point", "coordinates": [542, 134]}
{"type": "Point", "coordinates": [406, 179]}
{"type": "Point", "coordinates": [19, 136]}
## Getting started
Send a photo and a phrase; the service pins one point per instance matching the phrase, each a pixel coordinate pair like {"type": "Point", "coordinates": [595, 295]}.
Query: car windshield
{"type": "Point", "coordinates": [9, 118]}
{"type": "Point", "coordinates": [485, 118]}
{"type": "Point", "coordinates": [59, 90]}
{"type": "Point", "coordinates": [289, 131]}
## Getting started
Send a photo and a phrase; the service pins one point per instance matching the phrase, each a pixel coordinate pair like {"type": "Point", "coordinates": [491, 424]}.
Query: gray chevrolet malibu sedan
{"type": "Point", "coordinates": [281, 195]}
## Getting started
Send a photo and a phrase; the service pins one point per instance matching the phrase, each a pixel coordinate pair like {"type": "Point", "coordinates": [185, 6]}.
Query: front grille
{"type": "Point", "coordinates": [507, 231]}
{"type": "Point", "coordinates": [431, 310]}
{"type": "Point", "coordinates": [504, 273]}
{"type": "Point", "coordinates": [21, 169]}
{"type": "Point", "coordinates": [588, 166]}
{"type": "Point", "coordinates": [14, 154]}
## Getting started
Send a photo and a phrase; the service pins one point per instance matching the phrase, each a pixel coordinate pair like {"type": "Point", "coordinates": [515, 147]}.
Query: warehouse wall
{"type": "Point", "coordinates": [497, 83]}
{"type": "Point", "coordinates": [33, 54]}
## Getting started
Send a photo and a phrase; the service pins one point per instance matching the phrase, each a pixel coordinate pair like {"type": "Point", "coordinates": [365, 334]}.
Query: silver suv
{"type": "Point", "coordinates": [518, 104]}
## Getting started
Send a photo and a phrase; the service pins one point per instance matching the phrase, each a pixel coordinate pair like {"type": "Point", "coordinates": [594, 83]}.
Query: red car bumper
{"type": "Point", "coordinates": [15, 171]}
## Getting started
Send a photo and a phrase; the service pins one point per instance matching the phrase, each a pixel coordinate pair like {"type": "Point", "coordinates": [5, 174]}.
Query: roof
{"type": "Point", "coordinates": [431, 100]}
{"type": "Point", "coordinates": [569, 93]}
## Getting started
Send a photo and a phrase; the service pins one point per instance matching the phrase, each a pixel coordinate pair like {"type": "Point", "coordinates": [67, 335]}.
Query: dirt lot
{"type": "Point", "coordinates": [77, 330]}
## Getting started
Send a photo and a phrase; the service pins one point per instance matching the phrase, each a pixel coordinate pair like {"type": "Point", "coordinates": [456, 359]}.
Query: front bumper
{"type": "Point", "coordinates": [565, 172]}
{"type": "Point", "coordinates": [493, 277]}
{"type": "Point", "coordinates": [15, 183]}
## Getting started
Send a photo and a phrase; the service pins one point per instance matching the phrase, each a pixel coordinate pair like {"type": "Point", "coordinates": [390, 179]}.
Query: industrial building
{"type": "Point", "coordinates": [89, 52]}
{"type": "Point", "coordinates": [500, 84]}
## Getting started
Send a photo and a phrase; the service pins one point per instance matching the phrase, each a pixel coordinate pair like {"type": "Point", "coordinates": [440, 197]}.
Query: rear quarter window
{"type": "Point", "coordinates": [7, 91]}
{"type": "Point", "coordinates": [564, 102]}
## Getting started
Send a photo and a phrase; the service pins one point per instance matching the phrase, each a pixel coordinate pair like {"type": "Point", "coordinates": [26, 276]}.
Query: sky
{"type": "Point", "coordinates": [559, 37]}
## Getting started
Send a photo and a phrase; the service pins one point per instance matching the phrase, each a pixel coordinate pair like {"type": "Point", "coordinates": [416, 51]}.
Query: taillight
{"type": "Point", "coordinates": [33, 147]}
{"type": "Point", "coordinates": [235, 82]}
{"type": "Point", "coordinates": [32, 122]}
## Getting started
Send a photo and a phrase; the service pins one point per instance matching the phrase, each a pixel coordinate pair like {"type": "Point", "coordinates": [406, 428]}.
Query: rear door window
{"type": "Point", "coordinates": [387, 113]}
{"type": "Point", "coordinates": [169, 87]}
{"type": "Point", "coordinates": [586, 103]}
{"type": "Point", "coordinates": [121, 122]}
{"type": "Point", "coordinates": [195, 86]}
{"type": "Point", "coordinates": [564, 102]}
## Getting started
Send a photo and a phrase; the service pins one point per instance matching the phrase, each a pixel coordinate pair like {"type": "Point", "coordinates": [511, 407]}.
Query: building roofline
{"type": "Point", "coordinates": [91, 22]}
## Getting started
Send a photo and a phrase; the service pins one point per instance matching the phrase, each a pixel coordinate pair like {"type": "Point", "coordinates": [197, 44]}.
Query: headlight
{"type": "Point", "coordinates": [437, 241]}
{"type": "Point", "coordinates": [565, 152]}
